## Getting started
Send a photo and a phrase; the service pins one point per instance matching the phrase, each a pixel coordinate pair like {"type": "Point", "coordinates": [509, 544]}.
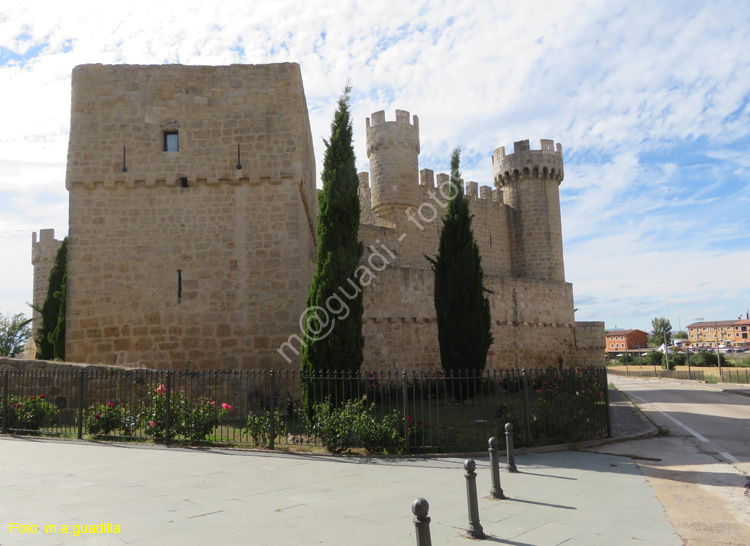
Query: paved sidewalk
{"type": "Point", "coordinates": [163, 495]}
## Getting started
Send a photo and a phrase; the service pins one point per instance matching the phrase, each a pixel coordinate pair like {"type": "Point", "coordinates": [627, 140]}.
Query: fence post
{"type": "Point", "coordinates": [81, 387]}
{"type": "Point", "coordinates": [272, 412]}
{"type": "Point", "coordinates": [495, 491]}
{"type": "Point", "coordinates": [406, 412]}
{"type": "Point", "coordinates": [475, 528]}
{"type": "Point", "coordinates": [606, 403]}
{"type": "Point", "coordinates": [167, 412]}
{"type": "Point", "coordinates": [419, 508]}
{"type": "Point", "coordinates": [509, 447]}
{"type": "Point", "coordinates": [526, 406]}
{"type": "Point", "coordinates": [5, 401]}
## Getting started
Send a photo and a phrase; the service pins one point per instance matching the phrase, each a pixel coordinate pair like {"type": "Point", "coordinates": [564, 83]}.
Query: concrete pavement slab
{"type": "Point", "coordinates": [188, 496]}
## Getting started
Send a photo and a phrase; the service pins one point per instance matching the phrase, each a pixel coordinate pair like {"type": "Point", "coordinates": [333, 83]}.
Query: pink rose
{"type": "Point", "coordinates": [152, 423]}
{"type": "Point", "coordinates": [161, 389]}
{"type": "Point", "coordinates": [226, 406]}
{"type": "Point", "coordinates": [41, 396]}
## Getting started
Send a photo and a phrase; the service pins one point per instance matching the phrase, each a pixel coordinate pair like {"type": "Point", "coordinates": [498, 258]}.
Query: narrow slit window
{"type": "Point", "coordinates": [179, 284]}
{"type": "Point", "coordinates": [171, 141]}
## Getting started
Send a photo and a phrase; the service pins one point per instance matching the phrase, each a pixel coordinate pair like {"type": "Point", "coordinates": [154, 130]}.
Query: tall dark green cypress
{"type": "Point", "coordinates": [50, 336]}
{"type": "Point", "coordinates": [463, 311]}
{"type": "Point", "coordinates": [333, 338]}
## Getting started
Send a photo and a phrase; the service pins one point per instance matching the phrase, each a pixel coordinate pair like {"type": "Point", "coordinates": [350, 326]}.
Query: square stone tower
{"type": "Point", "coordinates": [192, 214]}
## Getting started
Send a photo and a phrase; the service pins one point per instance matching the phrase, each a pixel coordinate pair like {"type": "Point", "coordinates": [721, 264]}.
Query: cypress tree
{"type": "Point", "coordinates": [51, 332]}
{"type": "Point", "coordinates": [333, 337]}
{"type": "Point", "coordinates": [463, 311]}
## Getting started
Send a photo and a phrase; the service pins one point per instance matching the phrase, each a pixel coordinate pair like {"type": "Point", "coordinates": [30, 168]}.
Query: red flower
{"type": "Point", "coordinates": [419, 422]}
{"type": "Point", "coordinates": [408, 418]}
{"type": "Point", "coordinates": [601, 394]}
{"type": "Point", "coordinates": [98, 416]}
{"type": "Point", "coordinates": [539, 390]}
{"type": "Point", "coordinates": [151, 423]}
{"type": "Point", "coordinates": [41, 396]}
{"type": "Point", "coordinates": [161, 389]}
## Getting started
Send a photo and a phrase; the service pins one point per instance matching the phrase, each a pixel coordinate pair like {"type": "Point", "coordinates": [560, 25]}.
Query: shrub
{"type": "Point", "coordinates": [706, 358]}
{"type": "Point", "coordinates": [354, 424]}
{"type": "Point", "coordinates": [29, 412]}
{"type": "Point", "coordinates": [566, 403]}
{"type": "Point", "coordinates": [654, 358]}
{"type": "Point", "coordinates": [258, 427]}
{"type": "Point", "coordinates": [191, 420]}
{"type": "Point", "coordinates": [676, 359]}
{"type": "Point", "coordinates": [102, 419]}
{"type": "Point", "coordinates": [626, 358]}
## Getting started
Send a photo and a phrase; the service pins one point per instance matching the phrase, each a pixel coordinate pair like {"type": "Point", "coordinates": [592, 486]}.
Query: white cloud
{"type": "Point", "coordinates": [635, 92]}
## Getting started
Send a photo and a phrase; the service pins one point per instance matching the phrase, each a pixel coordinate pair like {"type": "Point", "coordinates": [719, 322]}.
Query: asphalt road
{"type": "Point", "coordinates": [717, 420]}
{"type": "Point", "coordinates": [700, 470]}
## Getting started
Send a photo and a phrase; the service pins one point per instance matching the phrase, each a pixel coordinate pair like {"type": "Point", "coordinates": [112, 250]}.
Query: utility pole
{"type": "Point", "coordinates": [718, 355]}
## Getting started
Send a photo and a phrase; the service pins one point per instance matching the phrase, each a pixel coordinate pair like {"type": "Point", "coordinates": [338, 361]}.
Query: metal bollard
{"type": "Point", "coordinates": [419, 508]}
{"type": "Point", "coordinates": [509, 447]}
{"type": "Point", "coordinates": [496, 491]}
{"type": "Point", "coordinates": [475, 528]}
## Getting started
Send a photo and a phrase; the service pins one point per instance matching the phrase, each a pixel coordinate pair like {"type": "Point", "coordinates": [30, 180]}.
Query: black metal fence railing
{"type": "Point", "coordinates": [376, 411]}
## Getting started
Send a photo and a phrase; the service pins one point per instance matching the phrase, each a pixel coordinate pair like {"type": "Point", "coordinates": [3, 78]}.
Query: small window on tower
{"type": "Point", "coordinates": [171, 141]}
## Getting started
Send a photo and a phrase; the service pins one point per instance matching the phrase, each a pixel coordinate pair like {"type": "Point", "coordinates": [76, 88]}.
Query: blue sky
{"type": "Point", "coordinates": [650, 100]}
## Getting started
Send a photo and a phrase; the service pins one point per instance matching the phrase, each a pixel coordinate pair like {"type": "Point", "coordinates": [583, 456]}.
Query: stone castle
{"type": "Point", "coordinates": [193, 212]}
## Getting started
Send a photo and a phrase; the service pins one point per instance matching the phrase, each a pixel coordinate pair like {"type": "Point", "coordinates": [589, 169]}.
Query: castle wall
{"type": "Point", "coordinates": [185, 260]}
{"type": "Point", "coordinates": [43, 253]}
{"type": "Point", "coordinates": [532, 321]}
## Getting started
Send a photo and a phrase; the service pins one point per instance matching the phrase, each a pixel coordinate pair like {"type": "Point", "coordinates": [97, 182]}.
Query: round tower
{"type": "Point", "coordinates": [392, 148]}
{"type": "Point", "coordinates": [530, 180]}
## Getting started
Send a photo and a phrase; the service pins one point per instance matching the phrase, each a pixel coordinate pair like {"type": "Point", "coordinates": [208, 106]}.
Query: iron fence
{"type": "Point", "coordinates": [402, 411]}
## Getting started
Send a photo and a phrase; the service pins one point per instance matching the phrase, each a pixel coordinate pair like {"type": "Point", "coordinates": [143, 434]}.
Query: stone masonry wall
{"type": "Point", "coordinates": [43, 253]}
{"type": "Point", "coordinates": [185, 260]}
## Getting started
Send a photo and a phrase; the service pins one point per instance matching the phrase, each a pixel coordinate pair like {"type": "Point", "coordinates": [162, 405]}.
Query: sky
{"type": "Point", "coordinates": [650, 100]}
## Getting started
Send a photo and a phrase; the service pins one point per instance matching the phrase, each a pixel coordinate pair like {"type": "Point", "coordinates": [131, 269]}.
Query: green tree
{"type": "Point", "coordinates": [463, 311]}
{"type": "Point", "coordinates": [661, 327]}
{"type": "Point", "coordinates": [51, 333]}
{"type": "Point", "coordinates": [333, 337]}
{"type": "Point", "coordinates": [14, 332]}
{"type": "Point", "coordinates": [707, 358]}
{"type": "Point", "coordinates": [680, 335]}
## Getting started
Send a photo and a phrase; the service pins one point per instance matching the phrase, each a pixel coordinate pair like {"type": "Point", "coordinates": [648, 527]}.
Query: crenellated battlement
{"type": "Point", "coordinates": [525, 163]}
{"type": "Point", "coordinates": [44, 247]}
{"type": "Point", "coordinates": [385, 134]}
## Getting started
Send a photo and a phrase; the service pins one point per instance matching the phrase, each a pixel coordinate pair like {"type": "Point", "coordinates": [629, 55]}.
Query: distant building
{"type": "Point", "coordinates": [731, 333]}
{"type": "Point", "coordinates": [625, 340]}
